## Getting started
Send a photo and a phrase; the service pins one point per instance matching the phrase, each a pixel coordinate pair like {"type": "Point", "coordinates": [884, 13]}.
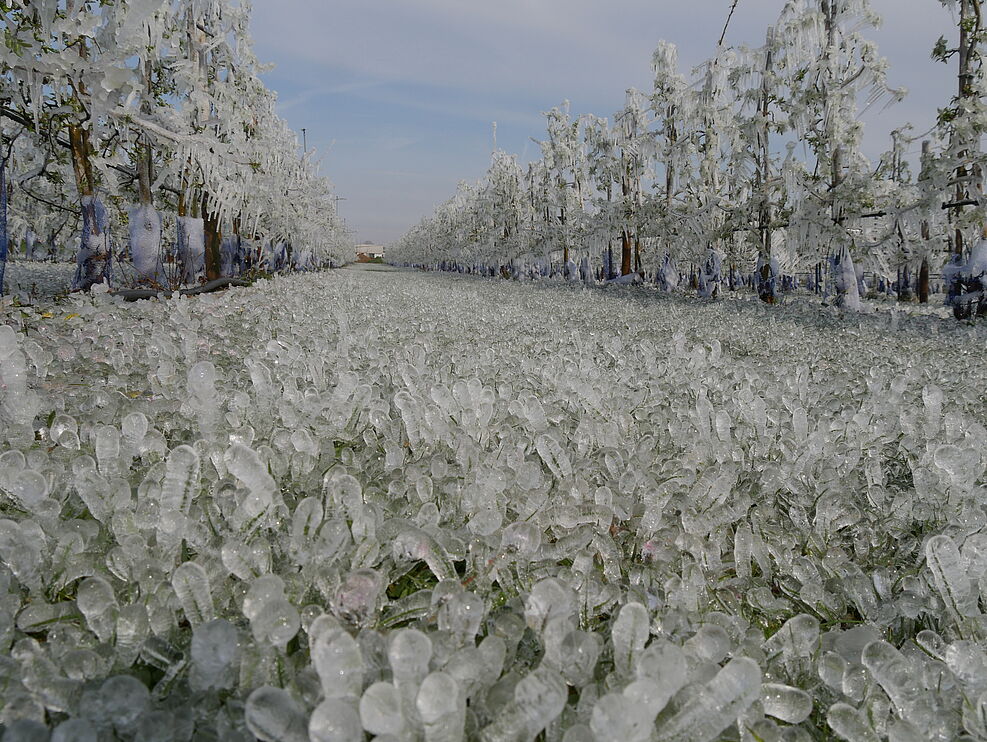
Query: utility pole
{"type": "Point", "coordinates": [304, 143]}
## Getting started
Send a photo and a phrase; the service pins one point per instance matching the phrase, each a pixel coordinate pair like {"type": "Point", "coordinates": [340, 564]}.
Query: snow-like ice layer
{"type": "Point", "coordinates": [430, 506]}
{"type": "Point", "coordinates": [145, 241]}
{"type": "Point", "coordinates": [31, 281]}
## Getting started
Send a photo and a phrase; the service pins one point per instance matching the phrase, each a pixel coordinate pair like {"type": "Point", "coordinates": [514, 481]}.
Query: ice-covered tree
{"type": "Point", "coordinates": [636, 146]}
{"type": "Point", "coordinates": [505, 200]}
{"type": "Point", "coordinates": [670, 103]}
{"type": "Point", "coordinates": [962, 125]}
{"type": "Point", "coordinates": [563, 178]}
{"type": "Point", "coordinates": [603, 171]}
{"type": "Point", "coordinates": [156, 103]}
{"type": "Point", "coordinates": [829, 67]}
{"type": "Point", "coordinates": [759, 127]}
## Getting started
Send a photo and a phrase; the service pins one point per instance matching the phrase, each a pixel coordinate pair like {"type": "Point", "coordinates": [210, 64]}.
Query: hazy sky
{"type": "Point", "coordinates": [399, 96]}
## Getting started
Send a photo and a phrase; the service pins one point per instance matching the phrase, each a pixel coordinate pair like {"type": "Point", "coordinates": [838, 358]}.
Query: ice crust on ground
{"type": "Point", "coordinates": [428, 507]}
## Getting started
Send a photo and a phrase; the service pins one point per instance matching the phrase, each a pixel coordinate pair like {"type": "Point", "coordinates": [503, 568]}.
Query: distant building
{"type": "Point", "coordinates": [366, 252]}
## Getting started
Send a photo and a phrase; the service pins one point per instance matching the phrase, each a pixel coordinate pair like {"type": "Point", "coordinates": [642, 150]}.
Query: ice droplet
{"type": "Point", "coordinates": [124, 699]}
{"type": "Point", "coordinates": [554, 457]}
{"type": "Point", "coordinates": [380, 709]}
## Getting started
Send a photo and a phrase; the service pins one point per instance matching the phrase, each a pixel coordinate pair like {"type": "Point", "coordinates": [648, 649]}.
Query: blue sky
{"type": "Point", "coordinates": [398, 96]}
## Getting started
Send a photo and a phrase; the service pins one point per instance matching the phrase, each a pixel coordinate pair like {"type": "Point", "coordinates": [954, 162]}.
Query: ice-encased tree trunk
{"type": "Point", "coordinates": [227, 252]}
{"type": "Point", "coordinates": [671, 104]}
{"type": "Point", "coordinates": [711, 275]}
{"type": "Point", "coordinates": [766, 270]}
{"type": "Point", "coordinates": [636, 147]}
{"type": "Point", "coordinates": [3, 223]}
{"type": "Point", "coordinates": [190, 249]}
{"type": "Point", "coordinates": [766, 277]}
{"type": "Point", "coordinates": [94, 262]}
{"type": "Point", "coordinates": [212, 240]}
{"type": "Point", "coordinates": [923, 271]}
{"type": "Point", "coordinates": [668, 274]}
{"type": "Point", "coordinates": [145, 222]}
{"type": "Point", "coordinates": [965, 124]}
{"type": "Point", "coordinates": [145, 242]}
{"type": "Point", "coordinates": [844, 279]}
{"type": "Point", "coordinates": [94, 259]}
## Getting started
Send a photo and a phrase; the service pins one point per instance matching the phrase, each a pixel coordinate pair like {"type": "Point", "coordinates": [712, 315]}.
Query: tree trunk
{"type": "Point", "coordinates": [767, 287]}
{"type": "Point", "coordinates": [625, 235]}
{"type": "Point", "coordinates": [94, 257]}
{"type": "Point", "coordinates": [144, 173]}
{"type": "Point", "coordinates": [214, 237]}
{"type": "Point", "coordinates": [963, 82]}
{"type": "Point", "coordinates": [145, 153]}
{"type": "Point", "coordinates": [3, 222]}
{"type": "Point", "coordinates": [625, 252]}
{"type": "Point", "coordinates": [565, 238]}
{"type": "Point", "coordinates": [923, 271]}
{"type": "Point", "coordinates": [923, 282]}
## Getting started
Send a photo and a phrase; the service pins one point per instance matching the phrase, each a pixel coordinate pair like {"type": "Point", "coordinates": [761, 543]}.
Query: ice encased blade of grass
{"type": "Point", "coordinates": [98, 603]}
{"type": "Point", "coordinates": [305, 524]}
{"type": "Point", "coordinates": [784, 702]}
{"type": "Point", "coordinates": [214, 651]}
{"type": "Point", "coordinates": [338, 661]}
{"type": "Point", "coordinates": [950, 577]}
{"type": "Point", "coordinates": [555, 458]}
{"type": "Point", "coordinates": [442, 708]}
{"type": "Point", "coordinates": [717, 705]}
{"type": "Point", "coordinates": [335, 720]}
{"type": "Point", "coordinates": [181, 479]}
{"type": "Point", "coordinates": [191, 584]}
{"type": "Point", "coordinates": [849, 724]}
{"type": "Point", "coordinates": [629, 633]}
{"type": "Point", "coordinates": [272, 715]}
{"type": "Point", "coordinates": [380, 710]}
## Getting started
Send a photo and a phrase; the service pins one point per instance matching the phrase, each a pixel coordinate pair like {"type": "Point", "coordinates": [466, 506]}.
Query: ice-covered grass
{"type": "Point", "coordinates": [424, 506]}
{"type": "Point", "coordinates": [31, 281]}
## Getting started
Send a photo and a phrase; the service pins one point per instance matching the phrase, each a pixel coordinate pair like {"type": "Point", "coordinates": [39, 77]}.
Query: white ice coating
{"type": "Point", "coordinates": [191, 251]}
{"type": "Point", "coordinates": [845, 281]}
{"type": "Point", "coordinates": [145, 241]}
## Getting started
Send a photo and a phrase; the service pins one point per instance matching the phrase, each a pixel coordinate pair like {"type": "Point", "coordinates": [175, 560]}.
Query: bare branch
{"type": "Point", "coordinates": [726, 25]}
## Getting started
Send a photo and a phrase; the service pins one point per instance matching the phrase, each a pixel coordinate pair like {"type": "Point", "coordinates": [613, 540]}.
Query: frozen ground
{"type": "Point", "coordinates": [416, 504]}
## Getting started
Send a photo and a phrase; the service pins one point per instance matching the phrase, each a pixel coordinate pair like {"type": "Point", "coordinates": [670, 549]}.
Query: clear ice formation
{"type": "Point", "coordinates": [431, 508]}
